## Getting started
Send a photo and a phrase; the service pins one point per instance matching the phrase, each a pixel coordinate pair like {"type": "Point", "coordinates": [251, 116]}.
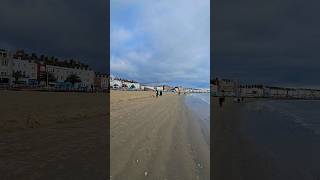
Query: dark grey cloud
{"type": "Point", "coordinates": [63, 28]}
{"type": "Point", "coordinates": [273, 42]}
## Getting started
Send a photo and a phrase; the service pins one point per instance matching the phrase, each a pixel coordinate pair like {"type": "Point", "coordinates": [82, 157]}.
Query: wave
{"type": "Point", "coordinates": [302, 113]}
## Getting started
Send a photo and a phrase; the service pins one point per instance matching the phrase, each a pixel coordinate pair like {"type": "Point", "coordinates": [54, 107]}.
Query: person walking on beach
{"type": "Point", "coordinates": [160, 93]}
{"type": "Point", "coordinates": [221, 101]}
{"type": "Point", "coordinates": [157, 93]}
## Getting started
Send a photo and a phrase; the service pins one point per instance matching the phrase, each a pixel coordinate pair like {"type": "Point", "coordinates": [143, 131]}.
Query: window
{"type": "Point", "coordinates": [4, 62]}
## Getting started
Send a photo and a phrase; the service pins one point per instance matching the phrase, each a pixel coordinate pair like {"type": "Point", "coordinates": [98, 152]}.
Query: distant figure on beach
{"type": "Point", "coordinates": [157, 93]}
{"type": "Point", "coordinates": [160, 93]}
{"type": "Point", "coordinates": [221, 101]}
{"type": "Point", "coordinates": [237, 100]}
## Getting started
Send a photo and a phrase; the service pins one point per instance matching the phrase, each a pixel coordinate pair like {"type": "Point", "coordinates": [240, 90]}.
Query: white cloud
{"type": "Point", "coordinates": [119, 36]}
{"type": "Point", "coordinates": [176, 40]}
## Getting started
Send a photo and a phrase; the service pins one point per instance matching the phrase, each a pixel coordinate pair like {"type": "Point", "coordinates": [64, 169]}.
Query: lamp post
{"type": "Point", "coordinates": [47, 79]}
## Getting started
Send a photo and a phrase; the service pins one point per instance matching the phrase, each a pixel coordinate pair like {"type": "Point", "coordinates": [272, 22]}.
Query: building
{"type": "Point", "coordinates": [227, 87]}
{"type": "Point", "coordinates": [5, 68]}
{"type": "Point", "coordinates": [214, 86]}
{"type": "Point", "coordinates": [278, 92]}
{"type": "Point", "coordinates": [149, 88]}
{"type": "Point", "coordinates": [16, 70]}
{"type": "Point", "coordinates": [252, 91]}
{"type": "Point", "coordinates": [62, 74]}
{"type": "Point", "coordinates": [132, 85]}
{"type": "Point", "coordinates": [115, 83]}
{"type": "Point", "coordinates": [167, 88]}
{"type": "Point", "coordinates": [22, 69]}
{"type": "Point", "coordinates": [101, 81]}
{"type": "Point", "coordinates": [24, 72]}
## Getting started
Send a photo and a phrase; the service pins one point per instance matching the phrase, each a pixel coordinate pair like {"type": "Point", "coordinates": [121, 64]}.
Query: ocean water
{"type": "Point", "coordinates": [199, 104]}
{"type": "Point", "coordinates": [303, 113]}
{"type": "Point", "coordinates": [288, 133]}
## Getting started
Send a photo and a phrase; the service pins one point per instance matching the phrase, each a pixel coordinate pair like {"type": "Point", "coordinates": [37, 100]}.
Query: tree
{"type": "Point", "coordinates": [42, 57]}
{"type": "Point", "coordinates": [51, 77]}
{"type": "Point", "coordinates": [34, 56]}
{"type": "Point", "coordinates": [48, 77]}
{"type": "Point", "coordinates": [17, 75]}
{"type": "Point", "coordinates": [73, 78]}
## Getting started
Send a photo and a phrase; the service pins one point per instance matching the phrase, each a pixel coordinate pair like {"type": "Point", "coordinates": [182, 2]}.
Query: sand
{"type": "Point", "coordinates": [155, 138]}
{"type": "Point", "coordinates": [47, 135]}
{"type": "Point", "coordinates": [235, 156]}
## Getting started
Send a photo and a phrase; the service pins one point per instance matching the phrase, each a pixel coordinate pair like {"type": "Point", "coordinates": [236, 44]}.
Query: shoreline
{"type": "Point", "coordinates": [201, 113]}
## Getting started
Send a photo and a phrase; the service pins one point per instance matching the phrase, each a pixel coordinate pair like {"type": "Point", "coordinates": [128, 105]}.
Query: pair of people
{"type": "Point", "coordinates": [158, 93]}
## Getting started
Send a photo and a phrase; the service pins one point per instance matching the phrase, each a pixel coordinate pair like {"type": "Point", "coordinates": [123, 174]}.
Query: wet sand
{"type": "Point", "coordinates": [155, 138]}
{"type": "Point", "coordinates": [53, 135]}
{"type": "Point", "coordinates": [235, 155]}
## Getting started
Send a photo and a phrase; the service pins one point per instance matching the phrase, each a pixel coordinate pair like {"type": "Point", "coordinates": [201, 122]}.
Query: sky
{"type": "Point", "coordinates": [60, 28]}
{"type": "Point", "coordinates": [267, 42]}
{"type": "Point", "coordinates": [161, 41]}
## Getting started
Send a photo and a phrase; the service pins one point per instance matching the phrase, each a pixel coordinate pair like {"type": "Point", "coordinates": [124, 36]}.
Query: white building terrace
{"type": "Point", "coordinates": [234, 89]}
{"type": "Point", "coordinates": [20, 68]}
{"type": "Point", "coordinates": [124, 84]}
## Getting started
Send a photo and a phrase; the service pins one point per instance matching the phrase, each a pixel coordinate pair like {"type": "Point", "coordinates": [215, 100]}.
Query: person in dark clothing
{"type": "Point", "coordinates": [157, 93]}
{"type": "Point", "coordinates": [221, 101]}
{"type": "Point", "coordinates": [160, 93]}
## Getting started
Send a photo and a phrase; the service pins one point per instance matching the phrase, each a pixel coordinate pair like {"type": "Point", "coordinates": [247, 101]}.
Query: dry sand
{"type": "Point", "coordinates": [47, 135]}
{"type": "Point", "coordinates": [155, 138]}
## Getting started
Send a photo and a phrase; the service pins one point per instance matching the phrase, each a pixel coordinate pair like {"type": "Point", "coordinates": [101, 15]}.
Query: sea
{"type": "Point", "coordinates": [199, 104]}
{"type": "Point", "coordinates": [288, 133]}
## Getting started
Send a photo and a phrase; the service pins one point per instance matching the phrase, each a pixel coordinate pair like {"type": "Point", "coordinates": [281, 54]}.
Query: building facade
{"type": "Point", "coordinates": [5, 68]}
{"type": "Point", "coordinates": [131, 85]}
{"type": "Point", "coordinates": [61, 74]}
{"type": "Point", "coordinates": [19, 68]}
{"type": "Point", "coordinates": [24, 72]}
{"type": "Point", "coordinates": [102, 81]}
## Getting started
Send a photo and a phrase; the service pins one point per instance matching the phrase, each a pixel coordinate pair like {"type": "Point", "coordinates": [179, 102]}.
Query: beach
{"type": "Point", "coordinates": [156, 138]}
{"type": "Point", "coordinates": [265, 139]}
{"type": "Point", "coordinates": [49, 135]}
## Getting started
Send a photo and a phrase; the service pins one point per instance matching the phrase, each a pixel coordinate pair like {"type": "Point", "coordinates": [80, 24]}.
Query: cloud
{"type": "Point", "coordinates": [58, 28]}
{"type": "Point", "coordinates": [119, 36]}
{"type": "Point", "coordinates": [170, 37]}
{"type": "Point", "coordinates": [272, 42]}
